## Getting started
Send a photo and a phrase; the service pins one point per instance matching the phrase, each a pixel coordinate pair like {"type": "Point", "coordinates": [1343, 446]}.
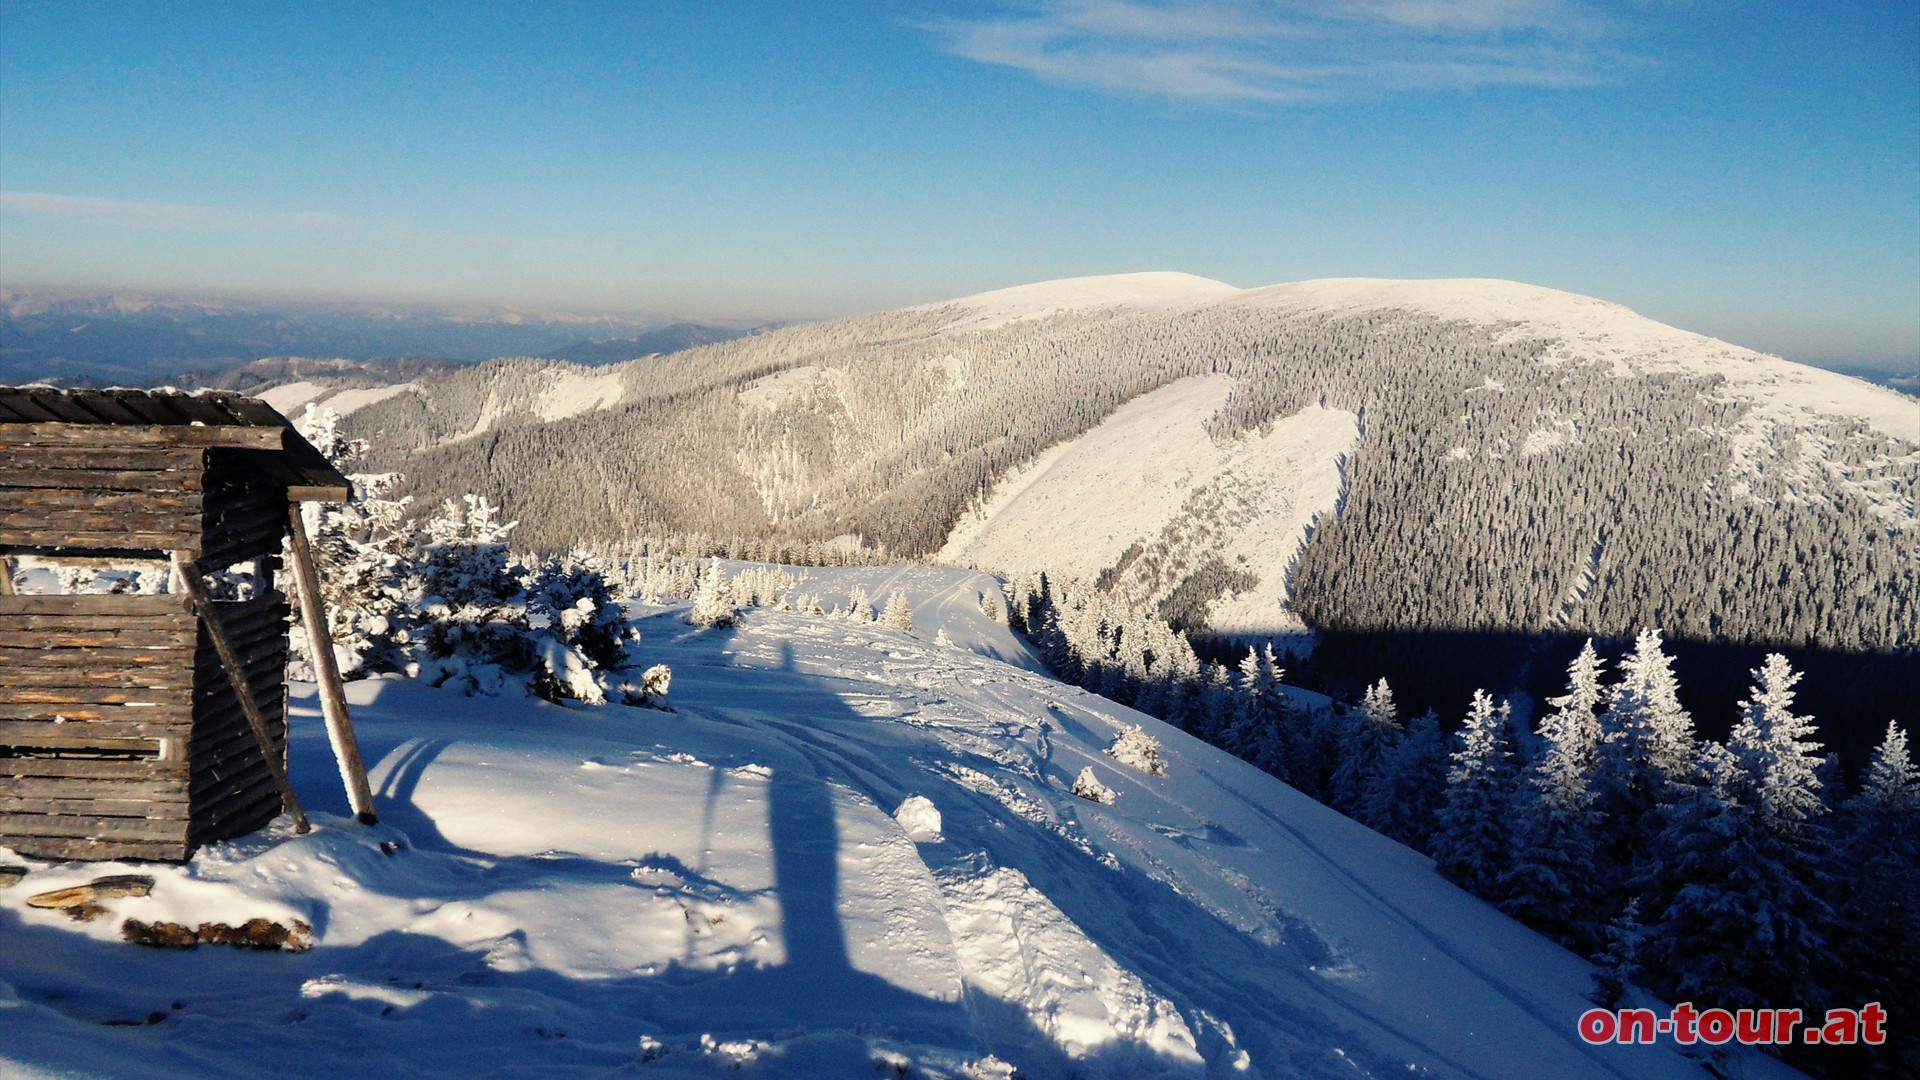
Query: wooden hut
{"type": "Point", "coordinates": [142, 726]}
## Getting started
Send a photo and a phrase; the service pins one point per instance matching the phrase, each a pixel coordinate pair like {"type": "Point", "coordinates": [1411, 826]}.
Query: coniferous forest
{"type": "Point", "coordinates": [1505, 500]}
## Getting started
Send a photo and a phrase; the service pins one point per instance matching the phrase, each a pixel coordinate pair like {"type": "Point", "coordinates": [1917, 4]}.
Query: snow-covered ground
{"type": "Point", "coordinates": [1082, 504]}
{"type": "Point", "coordinates": [725, 887]}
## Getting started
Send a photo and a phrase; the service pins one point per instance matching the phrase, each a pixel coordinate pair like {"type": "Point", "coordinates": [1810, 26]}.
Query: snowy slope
{"type": "Point", "coordinates": [1151, 476]}
{"type": "Point", "coordinates": [1142, 292]}
{"type": "Point", "coordinates": [1585, 328]}
{"type": "Point", "coordinates": [725, 888]}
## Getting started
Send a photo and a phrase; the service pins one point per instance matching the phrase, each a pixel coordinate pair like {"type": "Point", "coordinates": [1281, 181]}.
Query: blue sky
{"type": "Point", "coordinates": [1750, 171]}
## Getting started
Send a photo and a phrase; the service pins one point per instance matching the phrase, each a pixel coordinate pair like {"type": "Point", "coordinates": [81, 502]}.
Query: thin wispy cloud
{"type": "Point", "coordinates": [161, 215]}
{"type": "Point", "coordinates": [144, 214]}
{"type": "Point", "coordinates": [1290, 50]}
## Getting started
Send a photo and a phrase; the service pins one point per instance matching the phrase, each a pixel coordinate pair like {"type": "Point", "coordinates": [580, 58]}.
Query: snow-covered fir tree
{"type": "Point", "coordinates": [898, 614]}
{"type": "Point", "coordinates": [362, 550]}
{"type": "Point", "coordinates": [1554, 882]}
{"type": "Point", "coordinates": [1645, 761]}
{"type": "Point", "coordinates": [1409, 787]}
{"type": "Point", "coordinates": [859, 605]}
{"type": "Point", "coordinates": [1743, 850]}
{"type": "Point", "coordinates": [1471, 844]}
{"type": "Point", "coordinates": [712, 604]}
{"type": "Point", "coordinates": [1618, 963]}
{"type": "Point", "coordinates": [1138, 750]}
{"type": "Point", "coordinates": [1875, 890]}
{"type": "Point", "coordinates": [1369, 734]}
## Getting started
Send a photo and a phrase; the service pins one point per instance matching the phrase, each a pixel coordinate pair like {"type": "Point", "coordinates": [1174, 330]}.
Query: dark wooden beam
{"type": "Point", "coordinates": [333, 696]}
{"type": "Point", "coordinates": [196, 586]}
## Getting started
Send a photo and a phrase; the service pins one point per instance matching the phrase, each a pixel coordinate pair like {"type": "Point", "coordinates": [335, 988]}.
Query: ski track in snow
{"type": "Point", "coordinates": [722, 888]}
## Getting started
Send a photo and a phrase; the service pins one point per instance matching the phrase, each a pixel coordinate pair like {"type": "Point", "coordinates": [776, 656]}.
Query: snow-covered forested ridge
{"type": "Point", "coordinates": [1525, 460]}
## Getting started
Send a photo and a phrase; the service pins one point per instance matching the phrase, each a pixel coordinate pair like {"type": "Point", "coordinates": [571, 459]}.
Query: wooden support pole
{"type": "Point", "coordinates": [333, 696]}
{"type": "Point", "coordinates": [6, 576]}
{"type": "Point", "coordinates": [189, 576]}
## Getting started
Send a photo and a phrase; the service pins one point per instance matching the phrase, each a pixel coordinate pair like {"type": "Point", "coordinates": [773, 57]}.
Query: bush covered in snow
{"type": "Point", "coordinates": [1138, 750]}
{"type": "Point", "coordinates": [1089, 787]}
{"type": "Point", "coordinates": [446, 602]}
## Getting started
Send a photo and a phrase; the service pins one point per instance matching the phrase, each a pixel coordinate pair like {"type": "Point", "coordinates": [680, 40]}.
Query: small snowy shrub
{"type": "Point", "coordinates": [1089, 787]}
{"type": "Point", "coordinates": [712, 606]}
{"type": "Point", "coordinates": [651, 690]}
{"type": "Point", "coordinates": [990, 607]}
{"type": "Point", "coordinates": [898, 614]}
{"type": "Point", "coordinates": [1138, 750]}
{"type": "Point", "coordinates": [942, 638]}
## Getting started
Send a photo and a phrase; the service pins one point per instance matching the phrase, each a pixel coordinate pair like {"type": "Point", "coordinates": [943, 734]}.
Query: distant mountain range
{"type": "Point", "coordinates": [667, 339]}
{"type": "Point", "coordinates": [137, 340]}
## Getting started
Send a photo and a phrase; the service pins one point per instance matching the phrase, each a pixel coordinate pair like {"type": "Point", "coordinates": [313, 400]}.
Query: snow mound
{"type": "Point", "coordinates": [919, 818]}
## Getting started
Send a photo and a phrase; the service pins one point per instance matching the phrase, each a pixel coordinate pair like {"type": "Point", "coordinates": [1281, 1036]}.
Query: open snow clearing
{"type": "Point", "coordinates": [725, 887]}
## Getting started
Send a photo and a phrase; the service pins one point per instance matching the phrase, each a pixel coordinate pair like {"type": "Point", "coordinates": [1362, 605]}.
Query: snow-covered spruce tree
{"type": "Point", "coordinates": [1554, 884]}
{"type": "Point", "coordinates": [1619, 959]}
{"type": "Point", "coordinates": [1875, 889]}
{"type": "Point", "coordinates": [990, 606]}
{"type": "Point", "coordinates": [1645, 762]}
{"type": "Point", "coordinates": [1138, 750]}
{"type": "Point", "coordinates": [898, 613]}
{"type": "Point", "coordinates": [1250, 733]}
{"type": "Point", "coordinates": [859, 605]}
{"type": "Point", "coordinates": [1406, 792]}
{"type": "Point", "coordinates": [1368, 735]}
{"type": "Point", "coordinates": [1744, 926]}
{"type": "Point", "coordinates": [363, 550]}
{"type": "Point", "coordinates": [1471, 845]}
{"type": "Point", "coordinates": [712, 604]}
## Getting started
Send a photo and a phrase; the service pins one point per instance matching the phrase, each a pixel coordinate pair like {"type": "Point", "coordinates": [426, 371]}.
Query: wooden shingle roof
{"type": "Point", "coordinates": [172, 417]}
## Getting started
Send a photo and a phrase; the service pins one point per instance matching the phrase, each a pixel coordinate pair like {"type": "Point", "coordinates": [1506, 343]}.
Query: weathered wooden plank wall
{"type": "Point", "coordinates": [120, 735]}
{"type": "Point", "coordinates": [95, 722]}
{"type": "Point", "coordinates": [85, 488]}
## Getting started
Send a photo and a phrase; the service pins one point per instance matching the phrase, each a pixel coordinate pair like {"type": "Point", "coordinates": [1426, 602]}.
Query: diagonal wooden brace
{"type": "Point", "coordinates": [188, 575]}
{"type": "Point", "coordinates": [333, 696]}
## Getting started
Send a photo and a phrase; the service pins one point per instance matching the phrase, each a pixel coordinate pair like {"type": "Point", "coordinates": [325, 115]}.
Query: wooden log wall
{"type": "Point", "coordinates": [72, 486]}
{"type": "Point", "coordinates": [120, 736]}
{"type": "Point", "coordinates": [96, 717]}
